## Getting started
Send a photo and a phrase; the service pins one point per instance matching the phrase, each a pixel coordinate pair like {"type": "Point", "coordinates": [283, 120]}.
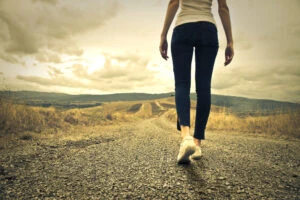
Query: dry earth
{"type": "Point", "coordinates": [138, 161]}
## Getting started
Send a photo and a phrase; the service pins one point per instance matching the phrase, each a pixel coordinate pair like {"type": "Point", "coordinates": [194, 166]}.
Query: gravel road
{"type": "Point", "coordinates": [138, 161]}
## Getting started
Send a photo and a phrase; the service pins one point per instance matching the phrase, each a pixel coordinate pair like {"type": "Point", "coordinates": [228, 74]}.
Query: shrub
{"type": "Point", "coordinates": [109, 117]}
{"type": "Point", "coordinates": [26, 137]}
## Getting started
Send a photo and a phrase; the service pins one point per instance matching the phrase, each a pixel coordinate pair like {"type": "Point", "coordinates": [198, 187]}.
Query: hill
{"type": "Point", "coordinates": [239, 105]}
{"type": "Point", "coordinates": [60, 113]}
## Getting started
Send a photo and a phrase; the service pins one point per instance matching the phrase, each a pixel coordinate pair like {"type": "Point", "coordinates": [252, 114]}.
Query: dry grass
{"type": "Point", "coordinates": [276, 124]}
{"type": "Point", "coordinates": [16, 119]}
{"type": "Point", "coordinates": [221, 119]}
{"type": "Point", "coordinates": [19, 118]}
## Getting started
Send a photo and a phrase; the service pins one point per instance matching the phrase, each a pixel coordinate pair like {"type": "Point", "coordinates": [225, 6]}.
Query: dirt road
{"type": "Point", "coordinates": [138, 161]}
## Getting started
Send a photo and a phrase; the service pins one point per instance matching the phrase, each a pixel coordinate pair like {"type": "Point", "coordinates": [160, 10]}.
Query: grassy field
{"type": "Point", "coordinates": [26, 122]}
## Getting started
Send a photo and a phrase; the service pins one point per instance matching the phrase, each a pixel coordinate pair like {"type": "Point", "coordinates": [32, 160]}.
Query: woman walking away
{"type": "Point", "coordinates": [194, 29]}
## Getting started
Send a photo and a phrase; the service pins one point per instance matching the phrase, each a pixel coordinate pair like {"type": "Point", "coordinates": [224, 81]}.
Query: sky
{"type": "Point", "coordinates": [112, 46]}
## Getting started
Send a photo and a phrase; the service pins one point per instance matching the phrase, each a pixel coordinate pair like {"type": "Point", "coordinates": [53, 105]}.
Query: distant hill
{"type": "Point", "coordinates": [237, 105]}
{"type": "Point", "coordinates": [46, 99]}
{"type": "Point", "coordinates": [242, 105]}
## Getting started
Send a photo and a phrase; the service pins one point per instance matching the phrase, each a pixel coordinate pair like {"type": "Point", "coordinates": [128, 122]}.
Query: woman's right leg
{"type": "Point", "coordinates": [205, 59]}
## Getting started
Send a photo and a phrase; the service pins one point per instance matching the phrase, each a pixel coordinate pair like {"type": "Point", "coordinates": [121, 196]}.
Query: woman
{"type": "Point", "coordinates": [194, 29]}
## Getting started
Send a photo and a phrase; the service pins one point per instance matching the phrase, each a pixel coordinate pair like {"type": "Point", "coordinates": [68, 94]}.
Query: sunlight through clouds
{"type": "Point", "coordinates": [109, 46]}
{"type": "Point", "coordinates": [94, 62]}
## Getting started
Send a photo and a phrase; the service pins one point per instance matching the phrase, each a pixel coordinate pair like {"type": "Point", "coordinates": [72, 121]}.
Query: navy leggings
{"type": "Point", "coordinates": [203, 37]}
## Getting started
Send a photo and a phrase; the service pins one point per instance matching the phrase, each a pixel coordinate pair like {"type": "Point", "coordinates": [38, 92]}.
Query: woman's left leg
{"type": "Point", "coordinates": [182, 53]}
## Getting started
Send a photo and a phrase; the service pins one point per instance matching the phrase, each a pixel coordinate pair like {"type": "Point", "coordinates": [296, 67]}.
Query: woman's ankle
{"type": "Point", "coordinates": [197, 142]}
{"type": "Point", "coordinates": [185, 131]}
{"type": "Point", "coordinates": [184, 135]}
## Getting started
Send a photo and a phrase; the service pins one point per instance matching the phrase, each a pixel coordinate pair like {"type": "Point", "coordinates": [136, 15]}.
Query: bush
{"type": "Point", "coordinates": [26, 137]}
{"type": "Point", "coordinates": [20, 118]}
{"type": "Point", "coordinates": [109, 117]}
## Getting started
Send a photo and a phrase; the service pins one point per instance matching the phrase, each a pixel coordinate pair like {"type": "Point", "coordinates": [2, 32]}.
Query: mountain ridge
{"type": "Point", "coordinates": [236, 104]}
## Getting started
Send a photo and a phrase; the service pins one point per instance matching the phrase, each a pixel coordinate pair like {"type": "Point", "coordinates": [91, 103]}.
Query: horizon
{"type": "Point", "coordinates": [111, 46]}
{"type": "Point", "coordinates": [171, 93]}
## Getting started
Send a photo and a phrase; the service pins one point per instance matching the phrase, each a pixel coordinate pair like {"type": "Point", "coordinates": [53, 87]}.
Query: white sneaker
{"type": "Point", "coordinates": [198, 154]}
{"type": "Point", "coordinates": [187, 148]}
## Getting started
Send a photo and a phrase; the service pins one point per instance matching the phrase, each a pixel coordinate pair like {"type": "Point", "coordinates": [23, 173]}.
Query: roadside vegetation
{"type": "Point", "coordinates": [18, 119]}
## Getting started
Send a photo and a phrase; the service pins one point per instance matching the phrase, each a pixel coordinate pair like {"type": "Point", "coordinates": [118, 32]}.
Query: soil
{"type": "Point", "coordinates": [138, 161]}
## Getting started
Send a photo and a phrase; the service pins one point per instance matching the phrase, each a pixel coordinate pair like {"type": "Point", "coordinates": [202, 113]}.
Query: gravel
{"type": "Point", "coordinates": [138, 161]}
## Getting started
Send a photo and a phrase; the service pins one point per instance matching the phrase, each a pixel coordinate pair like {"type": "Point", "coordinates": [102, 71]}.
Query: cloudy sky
{"type": "Point", "coordinates": [111, 46]}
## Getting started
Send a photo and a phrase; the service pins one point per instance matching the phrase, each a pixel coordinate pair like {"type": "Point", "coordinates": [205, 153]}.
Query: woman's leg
{"type": "Point", "coordinates": [182, 53]}
{"type": "Point", "coordinates": [205, 59]}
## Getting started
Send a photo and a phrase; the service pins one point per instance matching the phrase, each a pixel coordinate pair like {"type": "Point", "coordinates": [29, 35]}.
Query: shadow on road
{"type": "Point", "coordinates": [196, 172]}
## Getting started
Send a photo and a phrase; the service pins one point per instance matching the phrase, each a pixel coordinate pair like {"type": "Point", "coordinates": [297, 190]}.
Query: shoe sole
{"type": "Point", "coordinates": [196, 157]}
{"type": "Point", "coordinates": [190, 149]}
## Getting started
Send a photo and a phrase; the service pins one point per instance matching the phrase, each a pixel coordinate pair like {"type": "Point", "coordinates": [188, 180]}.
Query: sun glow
{"type": "Point", "coordinates": [95, 62]}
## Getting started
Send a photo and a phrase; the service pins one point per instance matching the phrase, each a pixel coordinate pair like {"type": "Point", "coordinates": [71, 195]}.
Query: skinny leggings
{"type": "Point", "coordinates": [203, 37]}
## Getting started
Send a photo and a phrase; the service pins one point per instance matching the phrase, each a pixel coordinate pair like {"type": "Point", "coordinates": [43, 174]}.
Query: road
{"type": "Point", "coordinates": [138, 161]}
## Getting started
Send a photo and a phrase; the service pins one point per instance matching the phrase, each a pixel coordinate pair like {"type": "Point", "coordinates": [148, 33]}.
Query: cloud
{"type": "Point", "coordinates": [116, 66]}
{"type": "Point", "coordinates": [120, 73]}
{"type": "Point", "coordinates": [54, 72]}
{"type": "Point", "coordinates": [8, 57]}
{"type": "Point", "coordinates": [267, 51]}
{"type": "Point", "coordinates": [224, 83]}
{"type": "Point", "coordinates": [242, 41]}
{"type": "Point", "coordinates": [270, 80]}
{"type": "Point", "coordinates": [266, 62]}
{"type": "Point", "coordinates": [20, 38]}
{"type": "Point", "coordinates": [28, 27]}
{"type": "Point", "coordinates": [265, 35]}
{"type": "Point", "coordinates": [46, 1]}
{"type": "Point", "coordinates": [48, 57]}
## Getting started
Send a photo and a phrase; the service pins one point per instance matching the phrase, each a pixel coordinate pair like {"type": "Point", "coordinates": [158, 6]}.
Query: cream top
{"type": "Point", "coordinates": [195, 10]}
